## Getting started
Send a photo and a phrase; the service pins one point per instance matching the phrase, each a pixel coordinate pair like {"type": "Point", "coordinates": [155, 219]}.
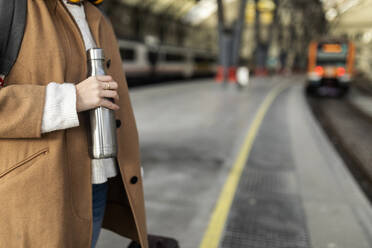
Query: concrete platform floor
{"type": "Point", "coordinates": [191, 134]}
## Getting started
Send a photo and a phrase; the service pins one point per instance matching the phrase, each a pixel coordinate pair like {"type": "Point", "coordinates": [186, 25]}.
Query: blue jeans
{"type": "Point", "coordinates": [99, 204]}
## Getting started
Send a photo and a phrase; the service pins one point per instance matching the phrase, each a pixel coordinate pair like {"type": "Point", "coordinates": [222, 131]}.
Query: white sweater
{"type": "Point", "coordinates": [60, 102]}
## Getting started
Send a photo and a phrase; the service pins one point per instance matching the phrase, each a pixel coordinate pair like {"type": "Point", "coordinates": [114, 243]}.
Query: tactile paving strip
{"type": "Point", "coordinates": [267, 210]}
{"type": "Point", "coordinates": [266, 222]}
{"type": "Point", "coordinates": [260, 182]}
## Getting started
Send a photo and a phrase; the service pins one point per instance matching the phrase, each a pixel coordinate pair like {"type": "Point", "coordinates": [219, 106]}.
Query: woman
{"type": "Point", "coordinates": [51, 192]}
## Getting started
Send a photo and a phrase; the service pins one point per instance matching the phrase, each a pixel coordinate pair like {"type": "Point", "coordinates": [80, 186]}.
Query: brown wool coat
{"type": "Point", "coordinates": [45, 179]}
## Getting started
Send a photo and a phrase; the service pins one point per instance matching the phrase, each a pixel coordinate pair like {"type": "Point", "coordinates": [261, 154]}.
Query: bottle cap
{"type": "Point", "coordinates": [95, 54]}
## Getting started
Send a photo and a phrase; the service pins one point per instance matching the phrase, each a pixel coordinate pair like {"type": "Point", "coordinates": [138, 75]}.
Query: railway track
{"type": "Point", "coordinates": [349, 130]}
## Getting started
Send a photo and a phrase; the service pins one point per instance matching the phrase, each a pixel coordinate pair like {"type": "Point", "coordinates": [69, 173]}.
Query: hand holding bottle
{"type": "Point", "coordinates": [94, 91]}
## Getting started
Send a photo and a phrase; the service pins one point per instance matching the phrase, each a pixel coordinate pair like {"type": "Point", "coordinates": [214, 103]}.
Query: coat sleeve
{"type": "Point", "coordinates": [21, 111]}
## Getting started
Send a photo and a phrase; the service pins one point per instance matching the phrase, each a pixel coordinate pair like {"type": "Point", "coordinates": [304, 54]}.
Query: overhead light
{"type": "Point", "coordinates": [266, 5]}
{"type": "Point", "coordinates": [367, 37]}
{"type": "Point", "coordinates": [331, 14]}
{"type": "Point", "coordinates": [202, 10]}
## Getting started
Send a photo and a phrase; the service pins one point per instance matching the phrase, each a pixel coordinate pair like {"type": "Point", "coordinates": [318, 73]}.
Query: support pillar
{"type": "Point", "coordinates": [237, 37]}
{"type": "Point", "coordinates": [229, 43]}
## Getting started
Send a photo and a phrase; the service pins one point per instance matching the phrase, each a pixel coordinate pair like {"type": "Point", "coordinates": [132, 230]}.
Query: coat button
{"type": "Point", "coordinates": [134, 180]}
{"type": "Point", "coordinates": [108, 63]}
{"type": "Point", "coordinates": [118, 123]}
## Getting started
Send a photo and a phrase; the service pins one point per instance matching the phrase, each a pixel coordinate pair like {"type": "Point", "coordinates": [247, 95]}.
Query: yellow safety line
{"type": "Point", "coordinates": [218, 218]}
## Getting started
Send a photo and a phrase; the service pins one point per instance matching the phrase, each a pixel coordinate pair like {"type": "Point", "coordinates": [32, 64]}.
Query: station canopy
{"type": "Point", "coordinates": [335, 8]}
{"type": "Point", "coordinates": [197, 11]}
{"type": "Point", "coordinates": [191, 11]}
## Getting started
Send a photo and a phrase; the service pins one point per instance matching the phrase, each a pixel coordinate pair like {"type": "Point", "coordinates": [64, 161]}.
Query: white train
{"type": "Point", "coordinates": [143, 62]}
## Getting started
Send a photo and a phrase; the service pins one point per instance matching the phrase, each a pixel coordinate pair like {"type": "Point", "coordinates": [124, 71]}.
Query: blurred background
{"type": "Point", "coordinates": [254, 118]}
{"type": "Point", "coordinates": [275, 35]}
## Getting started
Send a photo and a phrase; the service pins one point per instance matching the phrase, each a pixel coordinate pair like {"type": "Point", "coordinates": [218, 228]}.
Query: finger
{"type": "Point", "coordinates": [104, 78]}
{"type": "Point", "coordinates": [110, 94]}
{"type": "Point", "coordinates": [109, 105]}
{"type": "Point", "coordinates": [111, 85]}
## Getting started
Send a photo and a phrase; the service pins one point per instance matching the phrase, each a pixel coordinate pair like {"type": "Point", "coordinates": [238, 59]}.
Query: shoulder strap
{"type": "Point", "coordinates": [13, 15]}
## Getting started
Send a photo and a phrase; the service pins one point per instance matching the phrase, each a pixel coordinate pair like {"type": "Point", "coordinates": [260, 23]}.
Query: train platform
{"type": "Point", "coordinates": [228, 167]}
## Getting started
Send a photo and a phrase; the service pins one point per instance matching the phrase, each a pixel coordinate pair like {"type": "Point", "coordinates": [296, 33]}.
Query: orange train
{"type": "Point", "coordinates": [330, 66]}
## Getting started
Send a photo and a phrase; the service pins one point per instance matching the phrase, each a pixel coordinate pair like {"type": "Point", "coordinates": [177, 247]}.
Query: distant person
{"type": "Point", "coordinates": [50, 193]}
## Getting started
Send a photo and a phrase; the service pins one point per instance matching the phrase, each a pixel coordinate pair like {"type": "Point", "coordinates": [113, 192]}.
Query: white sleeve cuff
{"type": "Point", "coordinates": [60, 107]}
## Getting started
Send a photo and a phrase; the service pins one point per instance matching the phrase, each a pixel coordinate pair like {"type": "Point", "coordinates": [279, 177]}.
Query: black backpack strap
{"type": "Point", "coordinates": [13, 14]}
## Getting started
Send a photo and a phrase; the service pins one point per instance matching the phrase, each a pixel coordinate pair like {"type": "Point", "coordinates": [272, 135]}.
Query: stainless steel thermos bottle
{"type": "Point", "coordinates": [102, 142]}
